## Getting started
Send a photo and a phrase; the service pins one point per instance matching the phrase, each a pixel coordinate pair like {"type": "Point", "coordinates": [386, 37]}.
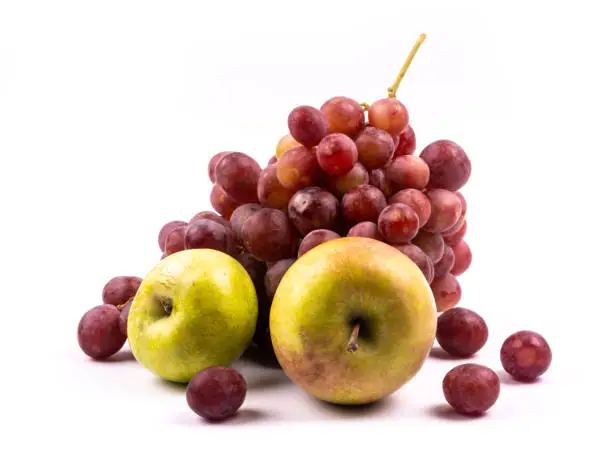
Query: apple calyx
{"type": "Point", "coordinates": [166, 304]}
{"type": "Point", "coordinates": [352, 346]}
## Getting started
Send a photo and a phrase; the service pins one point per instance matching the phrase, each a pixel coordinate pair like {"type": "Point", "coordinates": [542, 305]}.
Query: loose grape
{"type": "Point", "coordinates": [98, 333]}
{"type": "Point", "coordinates": [175, 241]}
{"type": "Point", "coordinates": [240, 215]}
{"type": "Point", "coordinates": [163, 233]}
{"type": "Point", "coordinates": [416, 200]}
{"type": "Point", "coordinates": [445, 210]}
{"type": "Point", "coordinates": [222, 202]}
{"type": "Point", "coordinates": [471, 389]}
{"type": "Point", "coordinates": [120, 289]}
{"type": "Point", "coordinates": [268, 235]}
{"type": "Point", "coordinates": [406, 144]}
{"type": "Point", "coordinates": [461, 332]}
{"type": "Point", "coordinates": [419, 258]}
{"type": "Point", "coordinates": [297, 168]}
{"type": "Point", "coordinates": [269, 190]}
{"type": "Point", "coordinates": [446, 263]}
{"type": "Point", "coordinates": [208, 234]}
{"type": "Point", "coordinates": [341, 184]}
{"type": "Point", "coordinates": [363, 203]}
{"type": "Point", "coordinates": [365, 229]}
{"type": "Point", "coordinates": [344, 115]}
{"type": "Point", "coordinates": [525, 355]}
{"type": "Point", "coordinates": [431, 244]}
{"type": "Point", "coordinates": [388, 114]}
{"type": "Point", "coordinates": [212, 164]}
{"type": "Point", "coordinates": [407, 172]}
{"type": "Point", "coordinates": [336, 154]}
{"type": "Point", "coordinates": [375, 147]}
{"type": "Point", "coordinates": [463, 258]}
{"type": "Point", "coordinates": [315, 238]}
{"type": "Point", "coordinates": [450, 168]}
{"type": "Point", "coordinates": [313, 208]}
{"type": "Point", "coordinates": [378, 179]}
{"type": "Point", "coordinates": [216, 393]}
{"type": "Point", "coordinates": [446, 291]}
{"type": "Point", "coordinates": [398, 224]}
{"type": "Point", "coordinates": [274, 275]}
{"type": "Point", "coordinates": [285, 143]}
{"type": "Point", "coordinates": [307, 125]}
{"type": "Point", "coordinates": [238, 174]}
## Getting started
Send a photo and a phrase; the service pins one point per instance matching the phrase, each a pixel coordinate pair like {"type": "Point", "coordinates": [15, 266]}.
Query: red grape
{"type": "Point", "coordinates": [120, 289]}
{"type": "Point", "coordinates": [363, 203]}
{"type": "Point", "coordinates": [419, 258]}
{"type": "Point", "coordinates": [388, 114]}
{"type": "Point", "coordinates": [416, 200]}
{"type": "Point", "coordinates": [208, 234]}
{"type": "Point", "coordinates": [269, 190]}
{"type": "Point", "coordinates": [313, 208]}
{"type": "Point", "coordinates": [256, 268]}
{"type": "Point", "coordinates": [238, 174]}
{"type": "Point", "coordinates": [307, 125]}
{"type": "Point", "coordinates": [274, 275]}
{"type": "Point", "coordinates": [222, 202]}
{"type": "Point", "coordinates": [431, 244]}
{"type": "Point", "coordinates": [315, 238]}
{"type": "Point", "coordinates": [268, 235]}
{"type": "Point", "coordinates": [216, 393]}
{"type": "Point", "coordinates": [406, 144]}
{"type": "Point", "coordinates": [378, 179]}
{"type": "Point", "coordinates": [285, 143]}
{"type": "Point", "coordinates": [365, 229]}
{"type": "Point", "coordinates": [463, 258]}
{"type": "Point", "coordinates": [445, 210]}
{"type": "Point", "coordinates": [456, 237]}
{"type": "Point", "coordinates": [453, 229]}
{"type": "Point", "coordinates": [337, 154]}
{"type": "Point", "coordinates": [461, 332]}
{"type": "Point", "coordinates": [123, 317]}
{"type": "Point", "coordinates": [344, 115]}
{"type": "Point", "coordinates": [175, 242]}
{"type": "Point", "coordinates": [212, 164]}
{"type": "Point", "coordinates": [272, 161]}
{"type": "Point", "coordinates": [446, 291]}
{"type": "Point", "coordinates": [471, 389]}
{"type": "Point", "coordinates": [98, 333]}
{"type": "Point", "coordinates": [240, 215]}
{"type": "Point", "coordinates": [407, 172]}
{"type": "Point", "coordinates": [398, 224]}
{"type": "Point", "coordinates": [525, 355]}
{"type": "Point", "coordinates": [163, 233]}
{"type": "Point", "coordinates": [375, 147]}
{"type": "Point", "coordinates": [446, 263]}
{"type": "Point", "coordinates": [207, 215]}
{"type": "Point", "coordinates": [339, 185]}
{"type": "Point", "coordinates": [449, 165]}
{"type": "Point", "coordinates": [297, 168]}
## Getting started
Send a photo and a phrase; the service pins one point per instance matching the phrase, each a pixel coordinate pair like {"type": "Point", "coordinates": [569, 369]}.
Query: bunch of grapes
{"type": "Point", "coordinates": [345, 169]}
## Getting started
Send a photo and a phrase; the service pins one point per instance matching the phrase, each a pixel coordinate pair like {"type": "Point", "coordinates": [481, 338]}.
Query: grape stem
{"type": "Point", "coordinates": [352, 346]}
{"type": "Point", "coordinates": [393, 88]}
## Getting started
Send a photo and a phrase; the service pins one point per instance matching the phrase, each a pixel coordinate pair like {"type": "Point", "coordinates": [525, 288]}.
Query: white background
{"type": "Point", "coordinates": [109, 112]}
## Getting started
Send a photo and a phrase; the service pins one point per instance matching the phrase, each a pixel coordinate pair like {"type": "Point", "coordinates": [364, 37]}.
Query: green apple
{"type": "Point", "coordinates": [196, 308]}
{"type": "Point", "coordinates": [352, 321]}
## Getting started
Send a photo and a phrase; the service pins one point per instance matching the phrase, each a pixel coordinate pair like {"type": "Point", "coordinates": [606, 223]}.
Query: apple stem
{"type": "Point", "coordinates": [393, 88]}
{"type": "Point", "coordinates": [352, 346]}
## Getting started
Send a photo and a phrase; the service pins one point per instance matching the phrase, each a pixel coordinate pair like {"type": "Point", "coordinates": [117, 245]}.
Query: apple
{"type": "Point", "coordinates": [195, 309]}
{"type": "Point", "coordinates": [352, 321]}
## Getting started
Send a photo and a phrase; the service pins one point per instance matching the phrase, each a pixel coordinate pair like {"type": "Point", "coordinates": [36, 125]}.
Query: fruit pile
{"type": "Point", "coordinates": [343, 170]}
